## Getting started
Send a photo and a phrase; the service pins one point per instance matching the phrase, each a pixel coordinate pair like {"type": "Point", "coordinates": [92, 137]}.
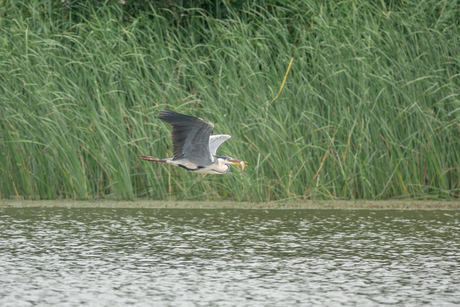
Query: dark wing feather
{"type": "Point", "coordinates": [190, 137]}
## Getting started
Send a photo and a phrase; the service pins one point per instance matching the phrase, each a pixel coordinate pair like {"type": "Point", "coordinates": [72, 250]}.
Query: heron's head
{"type": "Point", "coordinates": [231, 161]}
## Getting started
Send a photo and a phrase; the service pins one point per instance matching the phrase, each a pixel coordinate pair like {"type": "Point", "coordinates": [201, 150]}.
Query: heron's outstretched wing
{"type": "Point", "coordinates": [215, 141]}
{"type": "Point", "coordinates": [190, 137]}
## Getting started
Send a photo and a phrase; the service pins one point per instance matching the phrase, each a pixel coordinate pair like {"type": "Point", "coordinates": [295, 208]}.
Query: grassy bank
{"type": "Point", "coordinates": [370, 109]}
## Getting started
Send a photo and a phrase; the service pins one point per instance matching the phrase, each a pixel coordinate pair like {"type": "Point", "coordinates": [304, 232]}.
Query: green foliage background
{"type": "Point", "coordinates": [370, 108]}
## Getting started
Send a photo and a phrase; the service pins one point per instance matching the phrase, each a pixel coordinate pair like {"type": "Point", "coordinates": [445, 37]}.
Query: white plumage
{"type": "Point", "coordinates": [194, 148]}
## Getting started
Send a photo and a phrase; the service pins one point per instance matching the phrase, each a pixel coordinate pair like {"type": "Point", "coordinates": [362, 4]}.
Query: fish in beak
{"type": "Point", "coordinates": [242, 163]}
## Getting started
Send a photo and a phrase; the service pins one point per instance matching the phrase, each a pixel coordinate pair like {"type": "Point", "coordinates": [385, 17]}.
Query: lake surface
{"type": "Point", "coordinates": [227, 257]}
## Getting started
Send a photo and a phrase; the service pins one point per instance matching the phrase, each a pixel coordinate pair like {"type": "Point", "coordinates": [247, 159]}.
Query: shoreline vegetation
{"type": "Point", "coordinates": [326, 205]}
{"type": "Point", "coordinates": [370, 108]}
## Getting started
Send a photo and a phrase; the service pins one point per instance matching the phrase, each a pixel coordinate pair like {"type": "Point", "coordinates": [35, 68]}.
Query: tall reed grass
{"type": "Point", "coordinates": [370, 108]}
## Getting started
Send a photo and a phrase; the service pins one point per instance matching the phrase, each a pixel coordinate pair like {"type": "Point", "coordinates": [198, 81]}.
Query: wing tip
{"type": "Point", "coordinates": [172, 117]}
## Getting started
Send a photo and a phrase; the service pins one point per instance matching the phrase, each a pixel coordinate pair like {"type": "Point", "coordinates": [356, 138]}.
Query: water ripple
{"type": "Point", "coordinates": [145, 257]}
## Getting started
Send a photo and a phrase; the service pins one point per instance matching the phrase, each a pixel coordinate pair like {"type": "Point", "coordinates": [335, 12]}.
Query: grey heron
{"type": "Point", "coordinates": [194, 148]}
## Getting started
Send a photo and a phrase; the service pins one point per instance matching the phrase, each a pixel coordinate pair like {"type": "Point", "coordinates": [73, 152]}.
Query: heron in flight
{"type": "Point", "coordinates": [194, 147]}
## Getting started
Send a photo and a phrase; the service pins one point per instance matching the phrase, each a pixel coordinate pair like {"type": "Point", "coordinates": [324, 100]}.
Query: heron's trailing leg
{"type": "Point", "coordinates": [149, 158]}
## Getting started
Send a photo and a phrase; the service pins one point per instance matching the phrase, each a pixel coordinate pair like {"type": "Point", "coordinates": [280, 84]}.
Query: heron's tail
{"type": "Point", "coordinates": [149, 158]}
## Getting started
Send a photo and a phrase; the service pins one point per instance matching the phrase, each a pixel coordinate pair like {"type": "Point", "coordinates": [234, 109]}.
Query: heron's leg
{"type": "Point", "coordinates": [149, 158]}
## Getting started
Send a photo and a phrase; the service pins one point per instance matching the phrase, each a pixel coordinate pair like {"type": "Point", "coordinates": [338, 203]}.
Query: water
{"type": "Point", "coordinates": [168, 257]}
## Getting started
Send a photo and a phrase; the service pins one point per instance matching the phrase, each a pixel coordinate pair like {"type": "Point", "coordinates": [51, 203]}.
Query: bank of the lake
{"type": "Point", "coordinates": [340, 204]}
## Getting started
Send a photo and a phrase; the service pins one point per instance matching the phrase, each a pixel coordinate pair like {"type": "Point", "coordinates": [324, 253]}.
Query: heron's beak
{"type": "Point", "coordinates": [242, 163]}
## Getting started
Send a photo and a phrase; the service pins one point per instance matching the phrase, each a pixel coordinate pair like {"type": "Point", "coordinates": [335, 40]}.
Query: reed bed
{"type": "Point", "coordinates": [370, 108]}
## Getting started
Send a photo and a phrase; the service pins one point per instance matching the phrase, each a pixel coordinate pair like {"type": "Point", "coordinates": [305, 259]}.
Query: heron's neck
{"type": "Point", "coordinates": [221, 166]}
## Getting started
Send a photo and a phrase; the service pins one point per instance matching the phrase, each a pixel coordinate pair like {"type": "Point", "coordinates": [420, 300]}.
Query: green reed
{"type": "Point", "coordinates": [370, 108]}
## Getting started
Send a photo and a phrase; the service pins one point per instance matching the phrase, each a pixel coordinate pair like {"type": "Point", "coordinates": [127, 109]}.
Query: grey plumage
{"type": "Point", "coordinates": [215, 141]}
{"type": "Point", "coordinates": [194, 148]}
{"type": "Point", "coordinates": [190, 137]}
